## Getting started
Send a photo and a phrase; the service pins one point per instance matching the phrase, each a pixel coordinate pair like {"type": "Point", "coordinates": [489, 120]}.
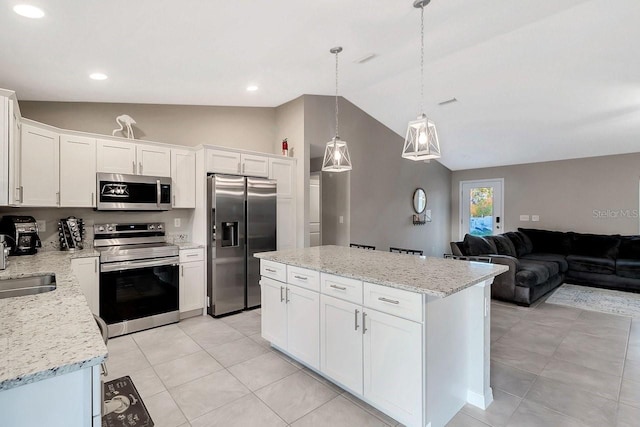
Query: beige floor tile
{"type": "Point", "coordinates": [556, 316]}
{"type": "Point", "coordinates": [628, 416]}
{"type": "Point", "coordinates": [288, 359]}
{"type": "Point", "coordinates": [604, 319]}
{"type": "Point", "coordinates": [630, 393]}
{"type": "Point", "coordinates": [370, 409]}
{"type": "Point", "coordinates": [121, 364]}
{"type": "Point", "coordinates": [323, 380]}
{"type": "Point", "coordinates": [603, 354]}
{"type": "Point", "coordinates": [258, 338]}
{"type": "Point", "coordinates": [207, 393]}
{"type": "Point", "coordinates": [464, 420]}
{"type": "Point", "coordinates": [170, 349]}
{"type": "Point", "coordinates": [529, 336]}
{"type": "Point", "coordinates": [262, 370]}
{"type": "Point", "coordinates": [516, 357]}
{"type": "Point", "coordinates": [187, 368]}
{"type": "Point", "coordinates": [511, 380]}
{"type": "Point", "coordinates": [244, 412]}
{"type": "Point", "coordinates": [198, 323]}
{"type": "Point", "coordinates": [510, 308]}
{"type": "Point", "coordinates": [593, 328]}
{"type": "Point", "coordinates": [295, 396]}
{"type": "Point", "coordinates": [217, 335]}
{"type": "Point", "coordinates": [248, 326]}
{"type": "Point", "coordinates": [339, 412]}
{"type": "Point", "coordinates": [499, 412]}
{"type": "Point", "coordinates": [163, 333]}
{"type": "Point", "coordinates": [147, 383]}
{"type": "Point", "coordinates": [632, 370]}
{"type": "Point", "coordinates": [505, 318]}
{"type": "Point", "coordinates": [530, 414]}
{"type": "Point", "coordinates": [581, 378]}
{"type": "Point", "coordinates": [592, 410]}
{"type": "Point", "coordinates": [235, 352]}
{"type": "Point", "coordinates": [240, 317]}
{"type": "Point", "coordinates": [121, 344]}
{"type": "Point", "coordinates": [163, 410]}
{"type": "Point", "coordinates": [497, 332]}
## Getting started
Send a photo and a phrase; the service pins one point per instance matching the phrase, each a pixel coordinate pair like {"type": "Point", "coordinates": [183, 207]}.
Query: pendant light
{"type": "Point", "coordinates": [336, 153]}
{"type": "Point", "coordinates": [421, 142]}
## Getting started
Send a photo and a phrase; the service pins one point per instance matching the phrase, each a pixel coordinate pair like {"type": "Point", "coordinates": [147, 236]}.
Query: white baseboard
{"type": "Point", "coordinates": [479, 400]}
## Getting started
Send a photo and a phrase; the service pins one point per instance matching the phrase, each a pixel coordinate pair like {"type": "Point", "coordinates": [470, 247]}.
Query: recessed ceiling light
{"type": "Point", "coordinates": [98, 76]}
{"type": "Point", "coordinates": [28, 11]}
{"type": "Point", "coordinates": [252, 88]}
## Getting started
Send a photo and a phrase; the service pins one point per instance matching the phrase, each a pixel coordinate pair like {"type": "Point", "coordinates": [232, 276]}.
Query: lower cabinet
{"type": "Point", "coordinates": [290, 319]}
{"type": "Point", "coordinates": [192, 280]}
{"type": "Point", "coordinates": [87, 271]}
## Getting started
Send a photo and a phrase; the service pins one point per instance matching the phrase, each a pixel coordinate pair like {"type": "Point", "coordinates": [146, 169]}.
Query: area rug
{"type": "Point", "coordinates": [123, 406]}
{"type": "Point", "coordinates": [594, 299]}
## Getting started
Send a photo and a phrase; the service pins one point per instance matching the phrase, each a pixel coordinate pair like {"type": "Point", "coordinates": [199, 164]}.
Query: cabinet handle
{"type": "Point", "coordinates": [92, 196]}
{"type": "Point", "coordinates": [21, 194]}
{"type": "Point", "coordinates": [341, 288]}
{"type": "Point", "coordinates": [364, 322]}
{"type": "Point", "coordinates": [270, 270]}
{"type": "Point", "coordinates": [300, 277]}
{"type": "Point", "coordinates": [192, 255]}
{"type": "Point", "coordinates": [238, 167]}
{"type": "Point", "coordinates": [58, 197]}
{"type": "Point", "coordinates": [287, 295]}
{"type": "Point", "coordinates": [391, 301]}
{"type": "Point", "coordinates": [95, 264]}
{"type": "Point", "coordinates": [140, 168]}
{"type": "Point", "coordinates": [281, 297]}
{"type": "Point", "coordinates": [356, 318]}
{"type": "Point", "coordinates": [134, 167]}
{"type": "Point", "coordinates": [243, 165]}
{"type": "Point", "coordinates": [105, 372]}
{"type": "Point", "coordinates": [182, 270]}
{"type": "Point", "coordinates": [174, 200]}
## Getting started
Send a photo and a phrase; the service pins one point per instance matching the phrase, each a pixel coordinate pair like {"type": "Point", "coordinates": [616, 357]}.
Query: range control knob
{"type": "Point", "coordinates": [152, 227]}
{"type": "Point", "coordinates": [159, 226]}
{"type": "Point", "coordinates": [110, 228]}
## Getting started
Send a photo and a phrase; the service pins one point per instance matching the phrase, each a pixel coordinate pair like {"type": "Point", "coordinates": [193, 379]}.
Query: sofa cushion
{"type": "Point", "coordinates": [590, 264]}
{"type": "Point", "coordinates": [518, 242]}
{"type": "Point", "coordinates": [629, 247]}
{"type": "Point", "coordinates": [528, 244]}
{"type": "Point", "coordinates": [561, 260]}
{"type": "Point", "coordinates": [504, 245]}
{"type": "Point", "coordinates": [476, 245]}
{"type": "Point", "coordinates": [553, 242]}
{"type": "Point", "coordinates": [531, 274]}
{"type": "Point", "coordinates": [595, 245]}
{"type": "Point", "coordinates": [628, 268]}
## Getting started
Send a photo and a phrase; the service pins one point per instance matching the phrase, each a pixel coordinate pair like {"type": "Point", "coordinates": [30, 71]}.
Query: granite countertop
{"type": "Point", "coordinates": [188, 245]}
{"type": "Point", "coordinates": [438, 277]}
{"type": "Point", "coordinates": [49, 334]}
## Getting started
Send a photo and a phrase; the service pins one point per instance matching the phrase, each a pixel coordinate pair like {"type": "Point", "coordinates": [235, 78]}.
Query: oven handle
{"type": "Point", "coordinates": [132, 265]}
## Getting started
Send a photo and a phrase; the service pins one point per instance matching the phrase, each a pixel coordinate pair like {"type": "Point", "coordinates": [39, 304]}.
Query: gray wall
{"type": "Point", "coordinates": [382, 182]}
{"type": "Point", "coordinates": [336, 202]}
{"type": "Point", "coordinates": [564, 194]}
{"type": "Point", "coordinates": [239, 127]}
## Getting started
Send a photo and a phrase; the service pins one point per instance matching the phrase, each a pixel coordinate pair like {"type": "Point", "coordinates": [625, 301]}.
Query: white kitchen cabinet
{"type": "Point", "coordinates": [303, 324]}
{"type": "Point", "coordinates": [222, 161]}
{"type": "Point", "coordinates": [78, 171]}
{"type": "Point", "coordinates": [15, 146]}
{"type": "Point", "coordinates": [393, 365]}
{"type": "Point", "coordinates": [153, 160]}
{"type": "Point", "coordinates": [87, 272]}
{"type": "Point", "coordinates": [183, 176]}
{"type": "Point", "coordinates": [253, 165]}
{"type": "Point", "coordinates": [341, 342]}
{"type": "Point", "coordinates": [274, 311]}
{"type": "Point", "coordinates": [286, 223]}
{"type": "Point", "coordinates": [40, 150]}
{"type": "Point", "coordinates": [116, 157]}
{"type": "Point", "coordinates": [283, 171]}
{"type": "Point", "coordinates": [192, 280]}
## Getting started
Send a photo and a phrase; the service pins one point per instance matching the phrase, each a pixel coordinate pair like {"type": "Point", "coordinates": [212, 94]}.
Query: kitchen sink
{"type": "Point", "coordinates": [27, 286]}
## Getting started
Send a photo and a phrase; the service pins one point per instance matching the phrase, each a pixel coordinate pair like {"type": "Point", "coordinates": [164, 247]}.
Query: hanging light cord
{"type": "Point", "coordinates": [337, 95]}
{"type": "Point", "coordinates": [421, 59]}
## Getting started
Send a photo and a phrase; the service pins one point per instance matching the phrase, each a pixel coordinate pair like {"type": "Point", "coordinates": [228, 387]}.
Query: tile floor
{"type": "Point", "coordinates": [551, 366]}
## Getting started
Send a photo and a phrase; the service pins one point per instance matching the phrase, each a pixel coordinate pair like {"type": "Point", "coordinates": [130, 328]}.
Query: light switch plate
{"type": "Point", "coordinates": [176, 222]}
{"type": "Point", "coordinates": [341, 219]}
{"type": "Point", "coordinates": [42, 225]}
{"type": "Point", "coordinates": [535, 217]}
{"type": "Point", "coordinates": [524, 217]}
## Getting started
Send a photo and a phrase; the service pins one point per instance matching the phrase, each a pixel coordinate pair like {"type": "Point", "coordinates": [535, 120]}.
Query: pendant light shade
{"type": "Point", "coordinates": [336, 153]}
{"type": "Point", "coordinates": [421, 141]}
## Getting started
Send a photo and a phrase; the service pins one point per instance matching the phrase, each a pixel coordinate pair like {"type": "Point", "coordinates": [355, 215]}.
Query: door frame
{"type": "Point", "coordinates": [460, 213]}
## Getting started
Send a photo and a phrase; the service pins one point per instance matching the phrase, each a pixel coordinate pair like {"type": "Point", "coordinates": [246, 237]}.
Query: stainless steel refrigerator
{"type": "Point", "coordinates": [241, 222]}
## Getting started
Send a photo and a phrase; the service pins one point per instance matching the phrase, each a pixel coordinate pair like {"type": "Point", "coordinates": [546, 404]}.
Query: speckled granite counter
{"type": "Point", "coordinates": [432, 276]}
{"type": "Point", "coordinates": [188, 245]}
{"type": "Point", "coordinates": [49, 334]}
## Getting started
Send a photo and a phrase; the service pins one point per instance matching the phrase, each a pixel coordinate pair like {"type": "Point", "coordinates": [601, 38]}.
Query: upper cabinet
{"type": "Point", "coordinates": [283, 172]}
{"type": "Point", "coordinates": [39, 176]}
{"type": "Point", "coordinates": [253, 165]}
{"type": "Point", "coordinates": [153, 160]}
{"type": "Point", "coordinates": [222, 161]}
{"type": "Point", "coordinates": [183, 177]}
{"type": "Point", "coordinates": [116, 157]}
{"type": "Point", "coordinates": [9, 141]}
{"type": "Point", "coordinates": [77, 171]}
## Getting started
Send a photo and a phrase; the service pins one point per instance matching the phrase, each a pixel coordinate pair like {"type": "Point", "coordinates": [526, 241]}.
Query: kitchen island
{"type": "Point", "coordinates": [407, 334]}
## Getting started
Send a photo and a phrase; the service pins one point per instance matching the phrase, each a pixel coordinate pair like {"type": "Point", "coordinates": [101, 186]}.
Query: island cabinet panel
{"type": "Point", "coordinates": [274, 312]}
{"type": "Point", "coordinates": [341, 342]}
{"type": "Point", "coordinates": [303, 325]}
{"type": "Point", "coordinates": [393, 365]}
{"type": "Point", "coordinates": [304, 278]}
{"type": "Point", "coordinates": [273, 270]}
{"type": "Point", "coordinates": [394, 301]}
{"type": "Point", "coordinates": [341, 287]}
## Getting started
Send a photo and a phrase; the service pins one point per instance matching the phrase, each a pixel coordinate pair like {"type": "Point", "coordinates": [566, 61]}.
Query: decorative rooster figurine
{"type": "Point", "coordinates": [125, 120]}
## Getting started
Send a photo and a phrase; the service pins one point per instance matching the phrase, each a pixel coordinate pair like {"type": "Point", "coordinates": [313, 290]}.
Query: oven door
{"type": "Point", "coordinates": [132, 290]}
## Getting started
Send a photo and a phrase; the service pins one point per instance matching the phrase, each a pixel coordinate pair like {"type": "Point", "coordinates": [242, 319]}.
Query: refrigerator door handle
{"type": "Point", "coordinates": [281, 297]}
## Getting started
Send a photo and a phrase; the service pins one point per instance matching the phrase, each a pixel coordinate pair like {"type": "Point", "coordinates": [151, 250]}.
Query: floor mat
{"type": "Point", "coordinates": [123, 406]}
{"type": "Point", "coordinates": [595, 299]}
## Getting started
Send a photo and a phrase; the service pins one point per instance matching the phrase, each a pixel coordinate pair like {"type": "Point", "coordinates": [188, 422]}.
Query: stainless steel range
{"type": "Point", "coordinates": [138, 276]}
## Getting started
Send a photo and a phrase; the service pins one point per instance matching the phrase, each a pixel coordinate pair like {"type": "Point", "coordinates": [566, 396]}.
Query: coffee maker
{"type": "Point", "coordinates": [22, 233]}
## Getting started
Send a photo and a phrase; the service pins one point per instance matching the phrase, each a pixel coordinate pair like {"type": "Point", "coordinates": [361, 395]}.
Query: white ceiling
{"type": "Point", "coordinates": [536, 80]}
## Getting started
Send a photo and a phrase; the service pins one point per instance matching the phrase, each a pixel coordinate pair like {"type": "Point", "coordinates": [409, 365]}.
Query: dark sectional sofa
{"type": "Point", "coordinates": [541, 260]}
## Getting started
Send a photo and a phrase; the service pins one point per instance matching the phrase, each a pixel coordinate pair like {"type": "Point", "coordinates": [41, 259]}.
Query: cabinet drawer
{"type": "Point", "coordinates": [191, 255]}
{"type": "Point", "coordinates": [304, 278]}
{"type": "Point", "coordinates": [274, 270]}
{"type": "Point", "coordinates": [341, 287]}
{"type": "Point", "coordinates": [393, 301]}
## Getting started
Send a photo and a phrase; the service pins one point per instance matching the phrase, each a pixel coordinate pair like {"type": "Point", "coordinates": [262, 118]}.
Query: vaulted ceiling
{"type": "Point", "coordinates": [535, 80]}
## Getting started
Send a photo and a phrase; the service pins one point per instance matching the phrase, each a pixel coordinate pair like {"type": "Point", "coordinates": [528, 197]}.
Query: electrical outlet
{"type": "Point", "coordinates": [42, 225]}
{"type": "Point", "coordinates": [176, 222]}
{"type": "Point", "coordinates": [535, 217]}
{"type": "Point", "coordinates": [341, 219]}
{"type": "Point", "coordinates": [524, 217]}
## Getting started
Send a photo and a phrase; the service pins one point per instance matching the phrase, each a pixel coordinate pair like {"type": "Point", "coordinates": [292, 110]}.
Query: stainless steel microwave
{"type": "Point", "coordinates": [133, 192]}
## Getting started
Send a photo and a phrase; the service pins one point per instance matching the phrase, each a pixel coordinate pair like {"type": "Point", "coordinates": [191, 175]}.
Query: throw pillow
{"type": "Point", "coordinates": [476, 245]}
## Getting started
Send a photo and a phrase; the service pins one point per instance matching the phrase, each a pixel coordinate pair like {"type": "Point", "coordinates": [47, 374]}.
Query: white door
{"type": "Point", "coordinates": [254, 165]}
{"type": "Point", "coordinates": [153, 160]}
{"type": "Point", "coordinates": [191, 286]}
{"type": "Point", "coordinates": [481, 207]}
{"type": "Point", "coordinates": [286, 223]}
{"type": "Point", "coordinates": [77, 171]}
{"type": "Point", "coordinates": [116, 157]}
{"type": "Point", "coordinates": [274, 312]}
{"type": "Point", "coordinates": [315, 203]}
{"type": "Point", "coordinates": [86, 271]}
{"type": "Point", "coordinates": [15, 146]}
{"type": "Point", "coordinates": [283, 171]}
{"type": "Point", "coordinates": [5, 125]}
{"type": "Point", "coordinates": [303, 325]}
{"type": "Point", "coordinates": [40, 166]}
{"type": "Point", "coordinates": [183, 175]}
{"type": "Point", "coordinates": [221, 161]}
{"type": "Point", "coordinates": [393, 366]}
{"type": "Point", "coordinates": [341, 342]}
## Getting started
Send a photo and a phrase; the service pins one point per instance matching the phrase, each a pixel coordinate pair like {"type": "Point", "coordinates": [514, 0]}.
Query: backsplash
{"type": "Point", "coordinates": [51, 216]}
